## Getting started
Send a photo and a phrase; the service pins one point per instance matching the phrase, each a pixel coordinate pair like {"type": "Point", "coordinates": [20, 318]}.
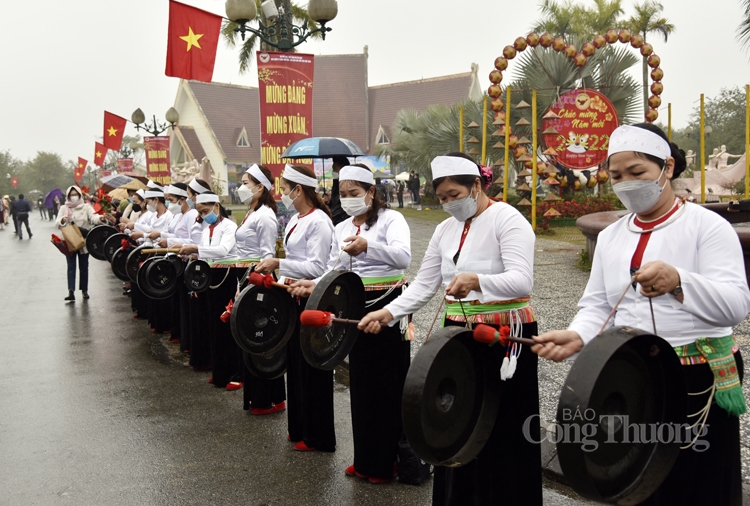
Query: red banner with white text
{"type": "Point", "coordinates": [157, 159]}
{"type": "Point", "coordinates": [285, 82]}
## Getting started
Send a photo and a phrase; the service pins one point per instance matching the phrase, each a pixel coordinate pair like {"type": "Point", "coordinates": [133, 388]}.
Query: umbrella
{"type": "Point", "coordinates": [382, 175]}
{"type": "Point", "coordinates": [322, 147]}
{"type": "Point", "coordinates": [109, 183]}
{"type": "Point", "coordinates": [404, 176]}
{"type": "Point", "coordinates": [49, 199]}
{"type": "Point", "coordinates": [119, 194]}
{"type": "Point", "coordinates": [133, 185]}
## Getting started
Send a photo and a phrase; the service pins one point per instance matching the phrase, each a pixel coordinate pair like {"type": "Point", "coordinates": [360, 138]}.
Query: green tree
{"type": "Point", "coordinates": [743, 30]}
{"type": "Point", "coordinates": [647, 20]}
{"type": "Point", "coordinates": [45, 172]}
{"type": "Point", "coordinates": [249, 46]}
{"type": "Point", "coordinates": [578, 23]}
{"type": "Point", "coordinates": [9, 167]}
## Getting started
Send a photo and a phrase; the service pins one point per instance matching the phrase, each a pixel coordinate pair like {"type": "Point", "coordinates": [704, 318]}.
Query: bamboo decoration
{"type": "Point", "coordinates": [703, 150]}
{"type": "Point", "coordinates": [534, 147]}
{"type": "Point", "coordinates": [747, 141]}
{"type": "Point", "coordinates": [484, 132]}
{"type": "Point", "coordinates": [507, 144]}
{"type": "Point", "coordinates": [461, 129]}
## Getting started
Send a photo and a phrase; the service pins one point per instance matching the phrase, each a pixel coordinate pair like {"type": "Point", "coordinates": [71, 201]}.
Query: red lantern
{"type": "Point", "coordinates": [512, 140]}
{"type": "Point", "coordinates": [580, 60]}
{"type": "Point", "coordinates": [520, 44]}
{"type": "Point", "coordinates": [509, 52]}
{"type": "Point", "coordinates": [624, 36]}
{"type": "Point", "coordinates": [570, 50]}
{"type": "Point", "coordinates": [497, 104]}
{"type": "Point", "coordinates": [654, 102]}
{"type": "Point", "coordinates": [593, 181]}
{"type": "Point", "coordinates": [653, 61]}
{"type": "Point", "coordinates": [546, 40]}
{"type": "Point", "coordinates": [588, 49]}
{"type": "Point", "coordinates": [657, 74]}
{"type": "Point", "coordinates": [519, 151]}
{"type": "Point", "coordinates": [612, 36]}
{"type": "Point", "coordinates": [647, 49]}
{"type": "Point", "coordinates": [651, 115]}
{"type": "Point", "coordinates": [501, 63]}
{"type": "Point", "coordinates": [636, 41]}
{"type": "Point", "coordinates": [494, 91]}
{"type": "Point", "coordinates": [602, 175]}
{"type": "Point", "coordinates": [657, 88]}
{"type": "Point", "coordinates": [541, 167]}
{"type": "Point", "coordinates": [532, 39]}
{"type": "Point", "coordinates": [600, 41]}
{"type": "Point", "coordinates": [496, 76]}
{"type": "Point", "coordinates": [558, 44]}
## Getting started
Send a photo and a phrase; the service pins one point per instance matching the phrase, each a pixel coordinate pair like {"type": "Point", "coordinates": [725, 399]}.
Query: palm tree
{"type": "Point", "coordinates": [299, 14]}
{"type": "Point", "coordinates": [577, 22]}
{"type": "Point", "coordinates": [647, 20]}
{"type": "Point", "coordinates": [743, 31]}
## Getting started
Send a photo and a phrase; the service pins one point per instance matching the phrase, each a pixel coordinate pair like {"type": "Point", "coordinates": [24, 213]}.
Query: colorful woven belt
{"type": "Point", "coordinates": [490, 313]}
{"type": "Point", "coordinates": [383, 282]}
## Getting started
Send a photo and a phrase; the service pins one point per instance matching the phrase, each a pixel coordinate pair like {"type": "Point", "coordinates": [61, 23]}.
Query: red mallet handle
{"type": "Point", "coordinates": [315, 318]}
{"type": "Point", "coordinates": [256, 278]}
{"type": "Point", "coordinates": [488, 335]}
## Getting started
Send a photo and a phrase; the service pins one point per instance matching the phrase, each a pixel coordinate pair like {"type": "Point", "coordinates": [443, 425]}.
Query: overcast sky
{"type": "Point", "coordinates": [65, 62]}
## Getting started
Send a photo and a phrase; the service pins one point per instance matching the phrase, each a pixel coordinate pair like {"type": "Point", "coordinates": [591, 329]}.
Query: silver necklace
{"type": "Point", "coordinates": [671, 220]}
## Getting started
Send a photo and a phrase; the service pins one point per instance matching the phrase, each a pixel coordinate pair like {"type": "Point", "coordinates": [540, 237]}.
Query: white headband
{"type": "Point", "coordinates": [197, 187]}
{"type": "Point", "coordinates": [255, 171]}
{"type": "Point", "coordinates": [297, 177]}
{"type": "Point", "coordinates": [141, 193]}
{"type": "Point", "coordinates": [354, 173]}
{"type": "Point", "coordinates": [443, 166]}
{"type": "Point", "coordinates": [152, 194]}
{"type": "Point", "coordinates": [174, 190]}
{"type": "Point", "coordinates": [152, 184]}
{"type": "Point", "coordinates": [207, 198]}
{"type": "Point", "coordinates": [640, 140]}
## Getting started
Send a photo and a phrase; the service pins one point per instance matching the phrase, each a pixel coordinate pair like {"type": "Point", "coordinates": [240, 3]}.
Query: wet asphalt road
{"type": "Point", "coordinates": [94, 409]}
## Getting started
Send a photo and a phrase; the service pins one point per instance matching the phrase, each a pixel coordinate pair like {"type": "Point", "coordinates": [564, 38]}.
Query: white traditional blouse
{"type": "Point", "coordinates": [388, 246]}
{"type": "Point", "coordinates": [499, 248]}
{"type": "Point", "coordinates": [143, 223]}
{"type": "Point", "coordinates": [185, 232]}
{"type": "Point", "coordinates": [307, 244]}
{"type": "Point", "coordinates": [705, 250]}
{"type": "Point", "coordinates": [218, 242]}
{"type": "Point", "coordinates": [256, 236]}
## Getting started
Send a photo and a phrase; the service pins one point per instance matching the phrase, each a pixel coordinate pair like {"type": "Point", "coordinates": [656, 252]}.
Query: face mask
{"type": "Point", "coordinates": [639, 196]}
{"type": "Point", "coordinates": [245, 194]}
{"type": "Point", "coordinates": [136, 208]}
{"type": "Point", "coordinates": [210, 218]}
{"type": "Point", "coordinates": [462, 209]}
{"type": "Point", "coordinates": [130, 199]}
{"type": "Point", "coordinates": [74, 198]}
{"type": "Point", "coordinates": [190, 203]}
{"type": "Point", "coordinates": [175, 208]}
{"type": "Point", "coordinates": [151, 208]}
{"type": "Point", "coordinates": [288, 201]}
{"type": "Point", "coordinates": [355, 206]}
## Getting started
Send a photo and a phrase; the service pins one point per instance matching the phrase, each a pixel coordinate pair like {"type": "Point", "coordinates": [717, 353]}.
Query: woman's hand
{"type": "Point", "coordinates": [462, 284]}
{"type": "Point", "coordinates": [63, 221]}
{"type": "Point", "coordinates": [187, 249]}
{"type": "Point", "coordinates": [136, 235]}
{"type": "Point", "coordinates": [557, 345]}
{"type": "Point", "coordinates": [357, 245]}
{"type": "Point", "coordinates": [267, 266]}
{"type": "Point", "coordinates": [371, 322]}
{"type": "Point", "coordinates": [657, 278]}
{"type": "Point", "coordinates": [163, 243]}
{"type": "Point", "coordinates": [302, 288]}
{"type": "Point", "coordinates": [154, 234]}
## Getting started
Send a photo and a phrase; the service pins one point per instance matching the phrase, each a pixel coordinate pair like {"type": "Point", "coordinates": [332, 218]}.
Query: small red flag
{"type": "Point", "coordinates": [100, 154]}
{"type": "Point", "coordinates": [192, 41]}
{"type": "Point", "coordinates": [80, 169]}
{"type": "Point", "coordinates": [114, 130]}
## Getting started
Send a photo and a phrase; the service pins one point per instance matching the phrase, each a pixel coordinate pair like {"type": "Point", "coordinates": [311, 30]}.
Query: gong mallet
{"type": "Point", "coordinates": [160, 250]}
{"type": "Point", "coordinates": [315, 318]}
{"type": "Point", "coordinates": [488, 335]}
{"type": "Point", "coordinates": [258, 279]}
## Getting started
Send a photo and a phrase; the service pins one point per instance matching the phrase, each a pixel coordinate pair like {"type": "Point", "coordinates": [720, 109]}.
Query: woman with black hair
{"type": "Point", "coordinates": [256, 241]}
{"type": "Point", "coordinates": [689, 264]}
{"type": "Point", "coordinates": [376, 244]}
{"type": "Point", "coordinates": [484, 257]}
{"type": "Point", "coordinates": [307, 243]}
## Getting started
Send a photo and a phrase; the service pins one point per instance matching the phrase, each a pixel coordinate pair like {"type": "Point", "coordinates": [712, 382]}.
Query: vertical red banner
{"type": "Point", "coordinates": [157, 159]}
{"type": "Point", "coordinates": [285, 82]}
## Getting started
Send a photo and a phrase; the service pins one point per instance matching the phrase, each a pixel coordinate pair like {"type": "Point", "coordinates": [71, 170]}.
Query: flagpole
{"type": "Point", "coordinates": [461, 129]}
{"type": "Point", "coordinates": [484, 132]}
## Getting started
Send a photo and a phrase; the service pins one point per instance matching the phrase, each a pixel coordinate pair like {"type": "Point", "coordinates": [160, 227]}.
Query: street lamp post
{"type": "Point", "coordinates": [155, 128]}
{"type": "Point", "coordinates": [281, 21]}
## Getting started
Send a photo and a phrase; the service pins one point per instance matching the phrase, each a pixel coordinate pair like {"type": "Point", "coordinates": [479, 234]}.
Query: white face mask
{"type": "Point", "coordinates": [175, 208]}
{"type": "Point", "coordinates": [462, 209]}
{"type": "Point", "coordinates": [288, 201]}
{"type": "Point", "coordinates": [151, 208]}
{"type": "Point", "coordinates": [74, 198]}
{"type": "Point", "coordinates": [640, 196]}
{"type": "Point", "coordinates": [355, 206]}
{"type": "Point", "coordinates": [245, 194]}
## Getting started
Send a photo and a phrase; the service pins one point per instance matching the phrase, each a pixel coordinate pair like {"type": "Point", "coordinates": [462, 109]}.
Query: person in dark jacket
{"type": "Point", "coordinates": [338, 215]}
{"type": "Point", "coordinates": [22, 208]}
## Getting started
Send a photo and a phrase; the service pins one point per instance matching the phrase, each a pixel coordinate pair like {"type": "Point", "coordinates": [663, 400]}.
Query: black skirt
{"type": "Point", "coordinates": [199, 331]}
{"type": "Point", "coordinates": [711, 471]}
{"type": "Point", "coordinates": [261, 393]}
{"type": "Point", "coordinates": [508, 470]}
{"type": "Point", "coordinates": [377, 370]}
{"type": "Point", "coordinates": [309, 398]}
{"type": "Point", "coordinates": [226, 356]}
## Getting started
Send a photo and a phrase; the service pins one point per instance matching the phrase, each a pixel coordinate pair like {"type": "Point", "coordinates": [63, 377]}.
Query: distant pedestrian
{"type": "Point", "coordinates": [23, 209]}
{"type": "Point", "coordinates": [415, 185]}
{"type": "Point", "coordinates": [55, 205]}
{"type": "Point", "coordinates": [400, 194]}
{"type": "Point", "coordinates": [3, 213]}
{"type": "Point", "coordinates": [40, 205]}
{"type": "Point", "coordinates": [6, 207]}
{"type": "Point", "coordinates": [13, 214]}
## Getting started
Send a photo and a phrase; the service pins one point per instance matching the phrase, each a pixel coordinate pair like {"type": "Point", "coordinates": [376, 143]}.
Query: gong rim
{"type": "Point", "coordinates": [119, 263]}
{"type": "Point", "coordinates": [135, 259]}
{"type": "Point", "coordinates": [178, 263]}
{"type": "Point", "coordinates": [625, 371]}
{"type": "Point", "coordinates": [197, 275]}
{"type": "Point", "coordinates": [114, 243]}
{"type": "Point", "coordinates": [160, 278]}
{"type": "Point", "coordinates": [269, 366]}
{"type": "Point", "coordinates": [341, 293]}
{"type": "Point", "coordinates": [258, 310]}
{"type": "Point", "coordinates": [451, 397]}
{"type": "Point", "coordinates": [96, 238]}
{"type": "Point", "coordinates": [143, 281]}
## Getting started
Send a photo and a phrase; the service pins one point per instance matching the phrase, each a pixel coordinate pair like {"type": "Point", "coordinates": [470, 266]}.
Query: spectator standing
{"type": "Point", "coordinates": [415, 188]}
{"type": "Point", "coordinates": [42, 210]}
{"type": "Point", "coordinates": [23, 209]}
{"type": "Point", "coordinates": [400, 194]}
{"type": "Point", "coordinates": [13, 214]}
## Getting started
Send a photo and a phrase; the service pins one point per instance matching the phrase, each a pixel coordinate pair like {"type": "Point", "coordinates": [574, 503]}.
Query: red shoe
{"type": "Point", "coordinates": [302, 447]}
{"type": "Point", "coordinates": [210, 380]}
{"type": "Point", "coordinates": [153, 331]}
{"type": "Point", "coordinates": [378, 481]}
{"type": "Point", "coordinates": [175, 340]}
{"type": "Point", "coordinates": [275, 408]}
{"type": "Point", "coordinates": [350, 471]}
{"type": "Point", "coordinates": [166, 331]}
{"type": "Point", "coordinates": [233, 385]}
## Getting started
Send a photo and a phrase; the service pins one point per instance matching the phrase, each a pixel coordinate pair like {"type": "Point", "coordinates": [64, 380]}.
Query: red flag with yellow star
{"type": "Point", "coordinates": [192, 42]}
{"type": "Point", "coordinates": [114, 130]}
{"type": "Point", "coordinates": [100, 154]}
{"type": "Point", "coordinates": [80, 169]}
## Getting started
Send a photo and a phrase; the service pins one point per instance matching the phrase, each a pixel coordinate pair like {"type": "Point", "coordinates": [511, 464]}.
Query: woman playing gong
{"type": "Point", "coordinates": [689, 265]}
{"type": "Point", "coordinates": [256, 241]}
{"type": "Point", "coordinates": [376, 244]}
{"type": "Point", "coordinates": [484, 256]}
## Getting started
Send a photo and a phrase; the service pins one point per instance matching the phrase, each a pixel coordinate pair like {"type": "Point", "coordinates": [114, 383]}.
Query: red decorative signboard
{"type": "Point", "coordinates": [124, 165]}
{"type": "Point", "coordinates": [586, 119]}
{"type": "Point", "coordinates": [286, 104]}
{"type": "Point", "coordinates": [157, 159]}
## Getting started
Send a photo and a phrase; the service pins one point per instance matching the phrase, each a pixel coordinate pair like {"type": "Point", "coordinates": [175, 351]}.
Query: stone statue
{"type": "Point", "coordinates": [690, 158]}
{"type": "Point", "coordinates": [186, 173]}
{"type": "Point", "coordinates": [713, 160]}
{"type": "Point", "coordinates": [724, 157]}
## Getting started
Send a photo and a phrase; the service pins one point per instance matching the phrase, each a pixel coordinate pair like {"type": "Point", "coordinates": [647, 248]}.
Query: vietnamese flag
{"type": "Point", "coordinates": [80, 169]}
{"type": "Point", "coordinates": [100, 154]}
{"type": "Point", "coordinates": [191, 43]}
{"type": "Point", "coordinates": [114, 130]}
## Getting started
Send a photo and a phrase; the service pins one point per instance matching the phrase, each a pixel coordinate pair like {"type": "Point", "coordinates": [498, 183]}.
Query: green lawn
{"type": "Point", "coordinates": [426, 214]}
{"type": "Point", "coordinates": [567, 234]}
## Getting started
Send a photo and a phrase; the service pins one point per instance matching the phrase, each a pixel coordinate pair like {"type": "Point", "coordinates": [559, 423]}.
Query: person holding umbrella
{"type": "Point", "coordinates": [337, 213]}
